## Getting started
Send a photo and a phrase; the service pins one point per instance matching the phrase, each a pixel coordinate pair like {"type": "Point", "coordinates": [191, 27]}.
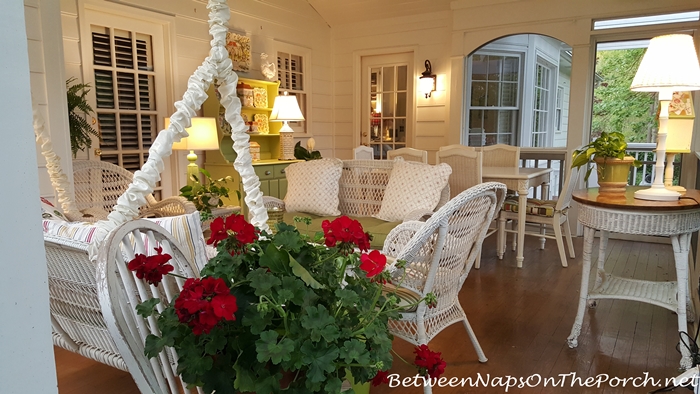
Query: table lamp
{"type": "Point", "coordinates": [670, 64]}
{"type": "Point", "coordinates": [286, 109]}
{"type": "Point", "coordinates": [202, 136]}
{"type": "Point", "coordinates": [680, 133]}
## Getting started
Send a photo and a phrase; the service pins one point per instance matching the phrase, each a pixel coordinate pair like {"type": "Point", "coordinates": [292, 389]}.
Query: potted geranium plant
{"type": "Point", "coordinates": [283, 313]}
{"type": "Point", "coordinates": [612, 164]}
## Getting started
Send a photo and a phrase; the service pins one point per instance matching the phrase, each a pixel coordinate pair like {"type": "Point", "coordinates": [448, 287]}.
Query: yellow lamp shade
{"type": "Point", "coordinates": [286, 108]}
{"type": "Point", "coordinates": [202, 135]}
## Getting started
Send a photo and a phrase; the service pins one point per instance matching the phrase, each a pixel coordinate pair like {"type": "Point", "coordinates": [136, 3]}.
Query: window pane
{"type": "Point", "coordinates": [123, 49]}
{"type": "Point", "coordinates": [492, 96]}
{"type": "Point", "coordinates": [511, 68]}
{"type": "Point", "coordinates": [402, 78]}
{"type": "Point", "coordinates": [476, 117]}
{"type": "Point", "coordinates": [400, 130]}
{"type": "Point", "coordinates": [494, 66]}
{"type": "Point", "coordinates": [479, 94]}
{"type": "Point", "coordinates": [126, 90]}
{"type": "Point", "coordinates": [479, 67]}
{"type": "Point", "coordinates": [509, 94]}
{"type": "Point", "coordinates": [401, 104]}
{"type": "Point", "coordinates": [388, 104]}
{"type": "Point", "coordinates": [104, 89]}
{"type": "Point", "coordinates": [388, 78]}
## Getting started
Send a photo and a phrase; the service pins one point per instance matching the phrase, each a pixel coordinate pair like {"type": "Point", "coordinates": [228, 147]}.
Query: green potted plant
{"type": "Point", "coordinates": [207, 193]}
{"type": "Point", "coordinates": [281, 312]}
{"type": "Point", "coordinates": [612, 164]}
{"type": "Point", "coordinates": [78, 108]}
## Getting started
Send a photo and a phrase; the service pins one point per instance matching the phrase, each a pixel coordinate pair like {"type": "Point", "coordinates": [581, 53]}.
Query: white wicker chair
{"type": "Point", "coordinates": [408, 154]}
{"type": "Point", "coordinates": [98, 185]}
{"type": "Point", "coordinates": [363, 153]}
{"type": "Point", "coordinates": [556, 217]}
{"type": "Point", "coordinates": [439, 255]}
{"type": "Point", "coordinates": [466, 167]}
{"type": "Point", "coordinates": [120, 291]}
{"type": "Point", "coordinates": [460, 146]}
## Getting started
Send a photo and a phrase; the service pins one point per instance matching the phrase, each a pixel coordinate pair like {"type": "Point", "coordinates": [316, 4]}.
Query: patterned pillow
{"type": "Point", "coordinates": [312, 187]}
{"type": "Point", "coordinates": [412, 186]}
{"type": "Point", "coordinates": [50, 211]}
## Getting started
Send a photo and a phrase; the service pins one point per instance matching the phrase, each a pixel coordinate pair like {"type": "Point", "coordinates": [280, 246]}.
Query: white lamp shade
{"type": "Point", "coordinates": [202, 135]}
{"type": "Point", "coordinates": [286, 108]}
{"type": "Point", "coordinates": [426, 85]}
{"type": "Point", "coordinates": [670, 63]}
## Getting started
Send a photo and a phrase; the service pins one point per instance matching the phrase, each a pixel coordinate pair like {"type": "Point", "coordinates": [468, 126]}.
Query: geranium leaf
{"type": "Point", "coordinates": [276, 260]}
{"type": "Point", "coordinates": [347, 297]}
{"type": "Point", "coordinates": [354, 350]}
{"type": "Point", "coordinates": [217, 341]}
{"type": "Point", "coordinates": [303, 274]}
{"type": "Point", "coordinates": [146, 308]}
{"type": "Point", "coordinates": [320, 323]}
{"type": "Point", "coordinates": [268, 348]}
{"type": "Point", "coordinates": [333, 385]}
{"type": "Point", "coordinates": [319, 357]}
{"type": "Point", "coordinates": [289, 240]}
{"type": "Point", "coordinates": [245, 379]}
{"type": "Point", "coordinates": [296, 286]}
{"type": "Point", "coordinates": [154, 345]}
{"type": "Point", "coordinates": [262, 282]}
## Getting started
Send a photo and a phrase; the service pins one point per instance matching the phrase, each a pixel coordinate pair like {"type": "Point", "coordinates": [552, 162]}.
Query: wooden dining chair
{"type": "Point", "coordinates": [545, 213]}
{"type": "Point", "coordinates": [408, 154]}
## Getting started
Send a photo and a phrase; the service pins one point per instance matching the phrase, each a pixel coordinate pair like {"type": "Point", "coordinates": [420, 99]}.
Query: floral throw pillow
{"type": "Point", "coordinates": [312, 187]}
{"type": "Point", "coordinates": [51, 212]}
{"type": "Point", "coordinates": [412, 186]}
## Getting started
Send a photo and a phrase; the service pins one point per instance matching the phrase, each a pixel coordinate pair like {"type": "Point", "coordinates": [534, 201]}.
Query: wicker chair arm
{"type": "Point", "coordinates": [272, 202]}
{"type": "Point", "coordinates": [171, 206]}
{"type": "Point", "coordinates": [420, 215]}
{"type": "Point", "coordinates": [399, 236]}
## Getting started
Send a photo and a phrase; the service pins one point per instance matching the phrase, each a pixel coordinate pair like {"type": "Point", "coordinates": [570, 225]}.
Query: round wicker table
{"type": "Point", "coordinates": [625, 214]}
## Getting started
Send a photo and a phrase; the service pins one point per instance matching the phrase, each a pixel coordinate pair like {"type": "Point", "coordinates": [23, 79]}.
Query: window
{"type": "Point", "coordinates": [292, 75]}
{"type": "Point", "coordinates": [494, 105]}
{"type": "Point", "coordinates": [558, 109]}
{"type": "Point", "coordinates": [511, 92]}
{"type": "Point", "coordinates": [540, 116]}
{"type": "Point", "coordinates": [124, 62]}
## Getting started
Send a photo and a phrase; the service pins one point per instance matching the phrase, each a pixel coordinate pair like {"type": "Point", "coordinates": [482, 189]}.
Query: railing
{"type": "Point", "coordinates": [644, 175]}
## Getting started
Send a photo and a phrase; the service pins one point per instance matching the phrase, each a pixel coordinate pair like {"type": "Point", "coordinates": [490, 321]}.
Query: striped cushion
{"type": "Point", "coordinates": [406, 296]}
{"type": "Point", "coordinates": [534, 206]}
{"type": "Point", "coordinates": [186, 229]}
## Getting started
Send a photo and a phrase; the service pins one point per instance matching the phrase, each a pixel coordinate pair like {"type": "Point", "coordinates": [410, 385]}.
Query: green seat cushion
{"type": "Point", "coordinates": [534, 206]}
{"type": "Point", "coordinates": [377, 227]}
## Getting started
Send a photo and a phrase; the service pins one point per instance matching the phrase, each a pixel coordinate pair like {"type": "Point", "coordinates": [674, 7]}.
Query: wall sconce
{"type": "Point", "coordinates": [428, 81]}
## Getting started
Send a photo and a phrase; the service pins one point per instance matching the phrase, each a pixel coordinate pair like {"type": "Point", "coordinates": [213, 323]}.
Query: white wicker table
{"type": "Point", "coordinates": [520, 180]}
{"type": "Point", "coordinates": [625, 214]}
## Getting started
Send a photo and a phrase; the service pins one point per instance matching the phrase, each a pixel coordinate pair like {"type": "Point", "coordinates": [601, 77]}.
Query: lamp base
{"type": "Point", "coordinates": [657, 194]}
{"type": "Point", "coordinates": [287, 146]}
{"type": "Point", "coordinates": [679, 189]}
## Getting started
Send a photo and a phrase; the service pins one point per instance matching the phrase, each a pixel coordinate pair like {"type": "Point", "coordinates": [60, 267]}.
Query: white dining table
{"type": "Point", "coordinates": [520, 180]}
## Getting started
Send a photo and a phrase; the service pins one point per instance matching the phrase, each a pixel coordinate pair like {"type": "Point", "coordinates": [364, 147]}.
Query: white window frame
{"type": "Point", "coordinates": [518, 108]}
{"type": "Point", "coordinates": [301, 129]}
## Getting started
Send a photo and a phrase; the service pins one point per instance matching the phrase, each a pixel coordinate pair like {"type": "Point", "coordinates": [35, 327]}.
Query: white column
{"type": "Point", "coordinates": [25, 330]}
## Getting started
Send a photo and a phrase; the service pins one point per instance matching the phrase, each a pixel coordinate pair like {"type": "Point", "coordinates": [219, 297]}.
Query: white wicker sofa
{"type": "Point", "coordinates": [361, 191]}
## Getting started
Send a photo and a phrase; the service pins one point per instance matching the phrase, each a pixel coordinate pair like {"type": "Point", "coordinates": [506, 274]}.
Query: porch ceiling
{"type": "Point", "coordinates": [336, 12]}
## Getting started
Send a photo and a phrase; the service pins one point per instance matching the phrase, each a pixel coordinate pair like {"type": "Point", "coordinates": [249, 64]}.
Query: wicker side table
{"type": "Point", "coordinates": [677, 220]}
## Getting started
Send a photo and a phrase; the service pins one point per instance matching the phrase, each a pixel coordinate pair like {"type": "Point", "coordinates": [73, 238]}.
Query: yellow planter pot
{"type": "Point", "coordinates": [613, 173]}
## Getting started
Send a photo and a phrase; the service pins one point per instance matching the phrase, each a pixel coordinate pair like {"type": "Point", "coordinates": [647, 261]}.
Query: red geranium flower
{"type": "Point", "coordinates": [372, 263]}
{"type": "Point", "coordinates": [151, 268]}
{"type": "Point", "coordinates": [429, 363]}
{"type": "Point", "coordinates": [347, 232]}
{"type": "Point", "coordinates": [203, 303]}
{"type": "Point", "coordinates": [235, 225]}
{"type": "Point", "coordinates": [380, 377]}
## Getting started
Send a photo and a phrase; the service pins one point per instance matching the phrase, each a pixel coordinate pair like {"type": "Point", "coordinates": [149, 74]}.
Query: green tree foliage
{"type": "Point", "coordinates": [78, 109]}
{"type": "Point", "coordinates": [615, 107]}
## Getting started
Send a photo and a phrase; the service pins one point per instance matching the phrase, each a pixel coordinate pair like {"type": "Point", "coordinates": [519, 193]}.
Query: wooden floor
{"type": "Point", "coordinates": [522, 318]}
